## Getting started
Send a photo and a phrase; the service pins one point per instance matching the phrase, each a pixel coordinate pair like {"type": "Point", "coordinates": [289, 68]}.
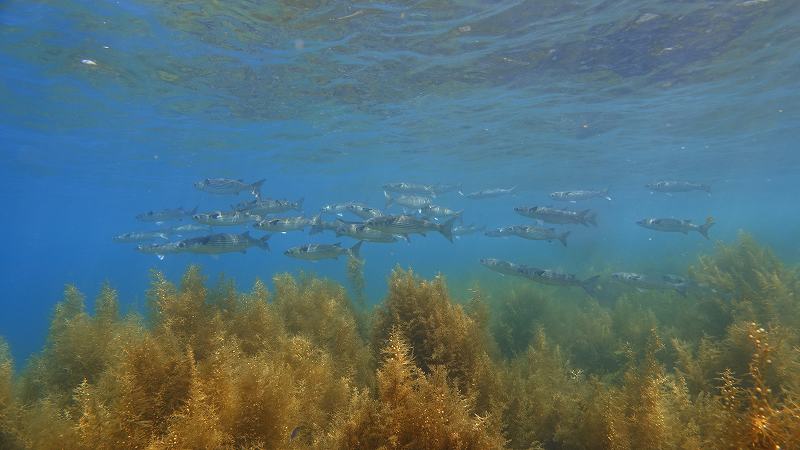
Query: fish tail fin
{"type": "Point", "coordinates": [447, 228]}
{"type": "Point", "coordinates": [608, 196]}
{"type": "Point", "coordinates": [589, 216]}
{"type": "Point", "coordinates": [194, 211]}
{"type": "Point", "coordinates": [703, 229]}
{"type": "Point", "coordinates": [682, 289]}
{"type": "Point", "coordinates": [262, 242]}
{"type": "Point", "coordinates": [163, 236]}
{"type": "Point", "coordinates": [300, 203]}
{"type": "Point", "coordinates": [590, 285]}
{"type": "Point", "coordinates": [389, 199]}
{"type": "Point", "coordinates": [706, 187]}
{"type": "Point", "coordinates": [460, 216]}
{"type": "Point", "coordinates": [255, 188]}
{"type": "Point", "coordinates": [563, 238]}
{"type": "Point", "coordinates": [355, 251]}
{"type": "Point", "coordinates": [460, 192]}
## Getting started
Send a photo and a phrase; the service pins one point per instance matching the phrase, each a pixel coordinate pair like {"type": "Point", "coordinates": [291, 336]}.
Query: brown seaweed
{"type": "Point", "coordinates": [518, 367]}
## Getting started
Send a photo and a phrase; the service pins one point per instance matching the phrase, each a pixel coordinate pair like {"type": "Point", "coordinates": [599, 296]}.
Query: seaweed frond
{"type": "Point", "coordinates": [320, 311]}
{"type": "Point", "coordinates": [440, 331]}
{"type": "Point", "coordinates": [413, 409]}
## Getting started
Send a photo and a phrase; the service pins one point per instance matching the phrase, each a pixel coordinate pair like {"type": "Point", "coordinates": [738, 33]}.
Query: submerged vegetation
{"type": "Point", "coordinates": [306, 367]}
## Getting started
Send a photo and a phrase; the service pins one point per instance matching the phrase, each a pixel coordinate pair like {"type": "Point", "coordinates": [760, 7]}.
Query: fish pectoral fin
{"type": "Point", "coordinates": [160, 257]}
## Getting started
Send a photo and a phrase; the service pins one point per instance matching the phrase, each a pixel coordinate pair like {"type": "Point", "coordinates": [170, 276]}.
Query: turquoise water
{"type": "Point", "coordinates": [111, 109]}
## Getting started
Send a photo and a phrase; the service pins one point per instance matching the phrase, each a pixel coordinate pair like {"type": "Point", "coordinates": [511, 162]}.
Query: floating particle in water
{"type": "Point", "coordinates": [88, 62]}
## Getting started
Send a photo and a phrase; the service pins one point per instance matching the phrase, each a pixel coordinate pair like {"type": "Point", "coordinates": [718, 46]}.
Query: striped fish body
{"type": "Point", "coordinates": [263, 207]}
{"type": "Point", "coordinates": [678, 186]}
{"type": "Point", "coordinates": [548, 276]}
{"type": "Point", "coordinates": [558, 216]}
{"type": "Point", "coordinates": [215, 244]}
{"type": "Point", "coordinates": [283, 224]}
{"type": "Point", "coordinates": [165, 215]}
{"type": "Point", "coordinates": [228, 186]}
{"type": "Point", "coordinates": [490, 193]}
{"type": "Point", "coordinates": [408, 201]}
{"type": "Point", "coordinates": [139, 236]}
{"type": "Point", "coordinates": [409, 188]}
{"type": "Point", "coordinates": [224, 219]}
{"type": "Point", "coordinates": [500, 266]}
{"type": "Point", "coordinates": [539, 233]}
{"type": "Point", "coordinates": [573, 196]}
{"type": "Point", "coordinates": [188, 228]}
{"type": "Point", "coordinates": [363, 233]}
{"type": "Point", "coordinates": [676, 225]}
{"type": "Point", "coordinates": [404, 225]}
{"type": "Point", "coordinates": [316, 252]}
{"type": "Point", "coordinates": [364, 212]}
{"type": "Point", "coordinates": [439, 212]}
{"type": "Point", "coordinates": [339, 208]}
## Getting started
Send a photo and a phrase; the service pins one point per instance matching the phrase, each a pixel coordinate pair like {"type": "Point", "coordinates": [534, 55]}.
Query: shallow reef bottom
{"type": "Point", "coordinates": [521, 367]}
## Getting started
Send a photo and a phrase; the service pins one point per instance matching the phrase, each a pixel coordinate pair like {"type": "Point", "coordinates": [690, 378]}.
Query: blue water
{"type": "Point", "coordinates": [330, 100]}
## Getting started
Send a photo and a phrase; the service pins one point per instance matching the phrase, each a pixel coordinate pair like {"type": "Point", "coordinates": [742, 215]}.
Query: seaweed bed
{"type": "Point", "coordinates": [529, 367]}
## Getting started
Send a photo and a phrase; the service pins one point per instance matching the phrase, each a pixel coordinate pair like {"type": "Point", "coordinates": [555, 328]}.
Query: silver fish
{"type": "Point", "coordinates": [215, 244]}
{"type": "Point", "coordinates": [340, 208]}
{"type": "Point", "coordinates": [676, 225]}
{"type": "Point", "coordinates": [220, 218]}
{"type": "Point", "coordinates": [165, 215]}
{"type": "Point", "coordinates": [489, 193]}
{"type": "Point", "coordinates": [558, 216]}
{"type": "Point", "coordinates": [663, 282]}
{"type": "Point", "coordinates": [573, 196]}
{"type": "Point", "coordinates": [263, 207]}
{"type": "Point", "coordinates": [677, 186]}
{"type": "Point", "coordinates": [363, 233]}
{"type": "Point", "coordinates": [409, 188]}
{"type": "Point", "coordinates": [228, 186]}
{"type": "Point", "coordinates": [364, 212]}
{"type": "Point", "coordinates": [314, 252]}
{"type": "Point", "coordinates": [439, 212]}
{"type": "Point", "coordinates": [187, 228]}
{"type": "Point", "coordinates": [545, 276]}
{"type": "Point", "coordinates": [408, 201]}
{"type": "Point", "coordinates": [404, 225]}
{"type": "Point", "coordinates": [283, 224]}
{"type": "Point", "coordinates": [540, 234]}
{"type": "Point", "coordinates": [139, 236]}
{"type": "Point", "coordinates": [500, 266]}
